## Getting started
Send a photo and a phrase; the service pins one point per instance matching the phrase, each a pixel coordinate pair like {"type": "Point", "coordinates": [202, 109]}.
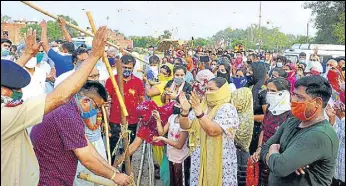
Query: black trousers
{"type": "Point", "coordinates": [336, 182]}
{"type": "Point", "coordinates": [115, 130]}
{"type": "Point", "coordinates": [242, 159]}
{"type": "Point", "coordinates": [176, 172]}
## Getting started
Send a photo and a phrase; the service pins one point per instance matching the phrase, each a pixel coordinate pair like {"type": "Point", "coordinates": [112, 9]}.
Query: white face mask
{"type": "Point", "coordinates": [279, 102]}
{"type": "Point", "coordinates": [279, 64]}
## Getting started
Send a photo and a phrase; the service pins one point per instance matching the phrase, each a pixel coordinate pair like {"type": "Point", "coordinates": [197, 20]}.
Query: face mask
{"type": "Point", "coordinates": [127, 73]}
{"type": "Point", "coordinates": [213, 67]}
{"type": "Point", "coordinates": [262, 61]}
{"type": "Point", "coordinates": [249, 79]}
{"type": "Point", "coordinates": [111, 61]}
{"type": "Point", "coordinates": [279, 64]}
{"type": "Point", "coordinates": [16, 95]}
{"type": "Point", "coordinates": [86, 115]}
{"type": "Point", "coordinates": [274, 98]}
{"type": "Point", "coordinates": [224, 75]}
{"type": "Point", "coordinates": [302, 61]}
{"type": "Point", "coordinates": [5, 52]}
{"type": "Point", "coordinates": [176, 110]}
{"type": "Point", "coordinates": [39, 57]}
{"type": "Point", "coordinates": [179, 81]}
{"type": "Point", "coordinates": [299, 110]}
{"type": "Point", "coordinates": [154, 68]}
{"type": "Point", "coordinates": [151, 53]}
{"type": "Point", "coordinates": [239, 82]}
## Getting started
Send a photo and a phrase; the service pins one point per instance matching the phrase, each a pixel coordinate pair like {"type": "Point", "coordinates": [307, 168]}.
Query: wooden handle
{"type": "Point", "coordinates": [108, 148]}
{"type": "Point", "coordinates": [96, 179]}
{"type": "Point", "coordinates": [77, 28]}
{"type": "Point", "coordinates": [110, 71]}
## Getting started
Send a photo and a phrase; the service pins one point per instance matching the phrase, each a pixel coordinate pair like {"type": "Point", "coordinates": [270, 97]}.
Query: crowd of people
{"type": "Point", "coordinates": [208, 114]}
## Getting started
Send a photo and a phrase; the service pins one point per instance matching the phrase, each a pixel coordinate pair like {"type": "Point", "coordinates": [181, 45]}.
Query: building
{"type": "Point", "coordinates": [13, 29]}
{"type": "Point", "coordinates": [119, 39]}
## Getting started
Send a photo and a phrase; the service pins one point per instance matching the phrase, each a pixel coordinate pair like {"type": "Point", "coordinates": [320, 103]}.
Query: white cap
{"type": "Point", "coordinates": [31, 63]}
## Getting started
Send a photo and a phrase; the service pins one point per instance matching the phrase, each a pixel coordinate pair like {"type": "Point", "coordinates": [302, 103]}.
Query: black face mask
{"type": "Point", "coordinates": [250, 80]}
{"type": "Point", "coordinates": [221, 75]}
{"type": "Point", "coordinates": [176, 110]}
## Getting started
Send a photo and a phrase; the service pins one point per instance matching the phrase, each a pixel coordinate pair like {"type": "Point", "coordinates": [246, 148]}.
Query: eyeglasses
{"type": "Point", "coordinates": [96, 106]}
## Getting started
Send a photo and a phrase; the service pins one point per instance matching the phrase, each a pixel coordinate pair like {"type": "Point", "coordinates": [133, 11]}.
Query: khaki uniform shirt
{"type": "Point", "coordinates": [19, 165]}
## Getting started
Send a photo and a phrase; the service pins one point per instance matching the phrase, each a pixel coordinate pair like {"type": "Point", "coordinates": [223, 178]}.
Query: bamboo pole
{"type": "Point", "coordinates": [77, 28]}
{"type": "Point", "coordinates": [120, 94]}
{"type": "Point", "coordinates": [124, 127]}
{"type": "Point", "coordinates": [108, 150]}
{"type": "Point", "coordinates": [110, 71]}
{"type": "Point", "coordinates": [96, 179]}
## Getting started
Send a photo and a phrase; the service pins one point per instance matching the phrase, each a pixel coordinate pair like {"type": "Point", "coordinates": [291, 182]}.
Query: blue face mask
{"type": "Point", "coordinates": [86, 115]}
{"type": "Point", "coordinates": [111, 61]}
{"type": "Point", "coordinates": [239, 82]}
{"type": "Point", "coordinates": [39, 57]}
{"type": "Point", "coordinates": [127, 73]}
{"type": "Point", "coordinates": [5, 52]}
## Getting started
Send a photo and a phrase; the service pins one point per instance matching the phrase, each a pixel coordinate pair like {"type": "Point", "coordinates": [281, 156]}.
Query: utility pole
{"type": "Point", "coordinates": [259, 26]}
{"type": "Point", "coordinates": [307, 33]}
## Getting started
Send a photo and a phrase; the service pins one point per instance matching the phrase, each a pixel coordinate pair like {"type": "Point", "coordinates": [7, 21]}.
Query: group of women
{"type": "Point", "coordinates": [220, 119]}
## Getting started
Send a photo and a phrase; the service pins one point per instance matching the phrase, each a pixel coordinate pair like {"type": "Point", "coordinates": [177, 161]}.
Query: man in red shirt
{"type": "Point", "coordinates": [133, 95]}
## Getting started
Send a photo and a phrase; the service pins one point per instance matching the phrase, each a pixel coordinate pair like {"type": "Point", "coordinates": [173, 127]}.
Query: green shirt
{"type": "Point", "coordinates": [316, 146]}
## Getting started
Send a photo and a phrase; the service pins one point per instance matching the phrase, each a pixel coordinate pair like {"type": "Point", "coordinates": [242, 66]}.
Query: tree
{"type": "Point", "coordinates": [327, 17]}
{"type": "Point", "coordinates": [53, 28]}
{"type": "Point", "coordinates": [166, 35]}
{"type": "Point", "coordinates": [73, 32]}
{"type": "Point", "coordinates": [5, 18]}
{"type": "Point", "coordinates": [339, 29]}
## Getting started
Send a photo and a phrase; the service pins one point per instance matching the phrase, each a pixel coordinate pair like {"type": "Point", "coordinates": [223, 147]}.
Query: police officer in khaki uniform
{"type": "Point", "coordinates": [19, 165]}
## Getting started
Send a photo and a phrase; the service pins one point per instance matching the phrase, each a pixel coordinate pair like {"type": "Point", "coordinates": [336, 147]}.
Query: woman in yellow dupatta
{"type": "Point", "coordinates": [218, 121]}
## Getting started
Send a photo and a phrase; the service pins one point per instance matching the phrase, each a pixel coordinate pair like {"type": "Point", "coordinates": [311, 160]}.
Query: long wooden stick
{"type": "Point", "coordinates": [110, 71]}
{"type": "Point", "coordinates": [108, 150]}
{"type": "Point", "coordinates": [123, 119]}
{"type": "Point", "coordinates": [120, 95]}
{"type": "Point", "coordinates": [77, 28]}
{"type": "Point", "coordinates": [96, 179]}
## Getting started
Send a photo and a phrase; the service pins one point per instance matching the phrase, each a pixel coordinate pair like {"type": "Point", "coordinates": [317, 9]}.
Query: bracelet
{"type": "Point", "coordinates": [259, 146]}
{"type": "Point", "coordinates": [184, 115]}
{"type": "Point", "coordinates": [200, 116]}
{"type": "Point", "coordinates": [113, 175]}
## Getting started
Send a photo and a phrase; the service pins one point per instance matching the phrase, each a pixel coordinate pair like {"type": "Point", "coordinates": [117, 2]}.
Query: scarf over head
{"type": "Point", "coordinates": [259, 73]}
{"type": "Point", "coordinates": [241, 99]}
{"type": "Point", "coordinates": [211, 147]}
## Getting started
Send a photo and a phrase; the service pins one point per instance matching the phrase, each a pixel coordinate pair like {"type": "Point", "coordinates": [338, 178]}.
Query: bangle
{"type": "Point", "coordinates": [200, 116]}
{"type": "Point", "coordinates": [113, 175]}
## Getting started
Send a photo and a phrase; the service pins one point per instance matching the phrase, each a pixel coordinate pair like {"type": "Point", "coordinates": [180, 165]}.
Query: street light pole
{"type": "Point", "coordinates": [259, 26]}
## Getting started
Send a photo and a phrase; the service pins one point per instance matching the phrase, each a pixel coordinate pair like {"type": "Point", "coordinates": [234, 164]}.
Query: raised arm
{"type": "Point", "coordinates": [44, 36]}
{"type": "Point", "coordinates": [31, 47]}
{"type": "Point", "coordinates": [62, 24]}
{"type": "Point", "coordinates": [70, 86]}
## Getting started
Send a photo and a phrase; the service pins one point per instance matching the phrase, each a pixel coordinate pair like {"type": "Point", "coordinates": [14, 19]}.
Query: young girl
{"type": "Point", "coordinates": [177, 150]}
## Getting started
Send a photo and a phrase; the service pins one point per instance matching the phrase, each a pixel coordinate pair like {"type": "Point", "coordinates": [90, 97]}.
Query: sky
{"type": "Point", "coordinates": [184, 19]}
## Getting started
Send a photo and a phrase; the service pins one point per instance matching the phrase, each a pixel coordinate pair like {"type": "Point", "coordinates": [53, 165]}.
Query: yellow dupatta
{"type": "Point", "coordinates": [242, 100]}
{"type": "Point", "coordinates": [211, 147]}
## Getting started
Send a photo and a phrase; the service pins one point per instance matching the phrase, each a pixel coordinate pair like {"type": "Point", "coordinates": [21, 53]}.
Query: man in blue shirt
{"type": "Point", "coordinates": [63, 62]}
